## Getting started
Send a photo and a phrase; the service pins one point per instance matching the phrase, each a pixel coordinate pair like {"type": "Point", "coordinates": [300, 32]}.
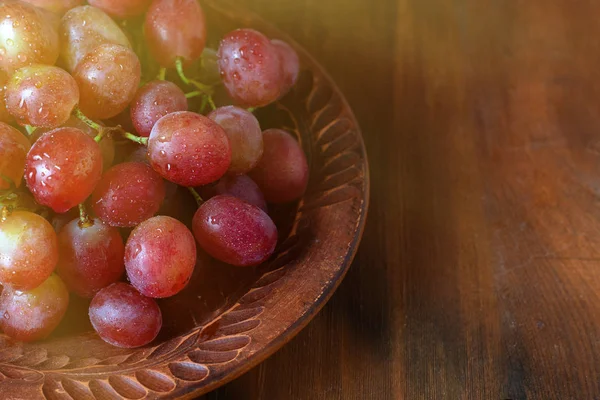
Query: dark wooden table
{"type": "Point", "coordinates": [478, 275]}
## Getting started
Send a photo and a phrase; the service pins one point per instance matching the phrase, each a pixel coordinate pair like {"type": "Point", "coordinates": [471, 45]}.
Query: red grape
{"type": "Point", "coordinates": [153, 101]}
{"type": "Point", "coordinates": [208, 67]}
{"type": "Point", "coordinates": [289, 63]}
{"type": "Point", "coordinates": [250, 68]}
{"type": "Point", "coordinates": [128, 194]}
{"type": "Point", "coordinates": [62, 168]}
{"type": "Point", "coordinates": [28, 250]}
{"type": "Point", "coordinates": [240, 186]}
{"type": "Point", "coordinates": [33, 314]}
{"type": "Point", "coordinates": [139, 154]}
{"type": "Point", "coordinates": [189, 149]}
{"type": "Point", "coordinates": [59, 221]}
{"type": "Point", "coordinates": [91, 257]}
{"type": "Point", "coordinates": [160, 256]}
{"type": "Point", "coordinates": [83, 29]}
{"type": "Point", "coordinates": [123, 317]}
{"type": "Point", "coordinates": [245, 137]}
{"type": "Point", "coordinates": [4, 114]}
{"type": "Point", "coordinates": [282, 173]}
{"type": "Point", "coordinates": [27, 36]}
{"type": "Point", "coordinates": [107, 145]}
{"type": "Point", "coordinates": [121, 8]}
{"type": "Point", "coordinates": [108, 79]}
{"type": "Point", "coordinates": [175, 28]}
{"type": "Point", "coordinates": [41, 96]}
{"type": "Point", "coordinates": [56, 6]}
{"type": "Point", "coordinates": [13, 152]}
{"type": "Point", "coordinates": [234, 231]}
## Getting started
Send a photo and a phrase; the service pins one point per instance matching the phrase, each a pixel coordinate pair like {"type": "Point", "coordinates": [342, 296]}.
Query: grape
{"type": "Point", "coordinates": [13, 152]}
{"type": "Point", "coordinates": [59, 221]}
{"type": "Point", "coordinates": [91, 257]}
{"type": "Point", "coordinates": [153, 101]}
{"type": "Point", "coordinates": [121, 8]}
{"type": "Point", "coordinates": [123, 317]}
{"type": "Point", "coordinates": [160, 256]}
{"type": "Point", "coordinates": [175, 28]}
{"type": "Point", "coordinates": [250, 68]}
{"type": "Point", "coordinates": [234, 231]}
{"type": "Point", "coordinates": [245, 137]}
{"type": "Point", "coordinates": [56, 6]}
{"type": "Point", "coordinates": [289, 63]}
{"type": "Point", "coordinates": [33, 314]}
{"type": "Point", "coordinates": [128, 194]}
{"type": "Point", "coordinates": [84, 28]}
{"type": "Point", "coordinates": [62, 168]}
{"type": "Point", "coordinates": [108, 78]}
{"type": "Point", "coordinates": [41, 96]}
{"type": "Point", "coordinates": [26, 36]}
{"type": "Point", "coordinates": [208, 67]}
{"type": "Point", "coordinates": [107, 145]}
{"type": "Point", "coordinates": [240, 186]}
{"type": "Point", "coordinates": [282, 173]}
{"type": "Point", "coordinates": [139, 154]}
{"type": "Point", "coordinates": [189, 149]}
{"type": "Point", "coordinates": [28, 250]}
{"type": "Point", "coordinates": [4, 114]}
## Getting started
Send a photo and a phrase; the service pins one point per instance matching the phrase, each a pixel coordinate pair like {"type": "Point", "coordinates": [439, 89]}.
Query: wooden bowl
{"type": "Point", "coordinates": [228, 319]}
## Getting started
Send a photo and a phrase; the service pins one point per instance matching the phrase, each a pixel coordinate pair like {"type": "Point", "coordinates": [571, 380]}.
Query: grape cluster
{"type": "Point", "coordinates": [83, 85]}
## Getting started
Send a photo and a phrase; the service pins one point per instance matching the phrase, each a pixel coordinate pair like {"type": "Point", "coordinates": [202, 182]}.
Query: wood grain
{"type": "Point", "coordinates": [478, 275]}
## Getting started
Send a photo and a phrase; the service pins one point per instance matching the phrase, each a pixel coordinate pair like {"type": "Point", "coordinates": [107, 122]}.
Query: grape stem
{"type": "Point", "coordinates": [84, 219]}
{"type": "Point", "coordinates": [79, 114]}
{"type": "Point", "coordinates": [205, 90]}
{"type": "Point", "coordinates": [251, 109]}
{"type": "Point", "coordinates": [30, 129]}
{"type": "Point", "coordinates": [140, 140]}
{"type": "Point", "coordinates": [195, 93]}
{"type": "Point", "coordinates": [162, 74]}
{"type": "Point", "coordinates": [196, 196]}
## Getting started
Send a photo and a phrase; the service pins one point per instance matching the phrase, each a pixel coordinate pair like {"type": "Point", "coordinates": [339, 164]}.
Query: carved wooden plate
{"type": "Point", "coordinates": [228, 319]}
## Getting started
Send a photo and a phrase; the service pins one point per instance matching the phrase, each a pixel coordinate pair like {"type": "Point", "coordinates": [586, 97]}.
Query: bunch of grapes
{"type": "Point", "coordinates": [72, 86]}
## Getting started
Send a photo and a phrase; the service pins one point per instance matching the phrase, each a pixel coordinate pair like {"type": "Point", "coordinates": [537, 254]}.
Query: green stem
{"type": "Point", "coordinates": [179, 68]}
{"type": "Point", "coordinates": [195, 93]}
{"type": "Point", "coordinates": [141, 140]}
{"type": "Point", "coordinates": [251, 109]}
{"type": "Point", "coordinates": [196, 196]}
{"type": "Point", "coordinates": [162, 74]}
{"type": "Point", "coordinates": [84, 219]}
{"type": "Point", "coordinates": [30, 129]}
{"type": "Point", "coordinates": [86, 120]}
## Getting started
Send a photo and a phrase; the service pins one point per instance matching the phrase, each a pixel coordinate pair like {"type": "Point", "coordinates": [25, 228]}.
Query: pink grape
{"type": "Point", "coordinates": [250, 68]}
{"type": "Point", "coordinates": [13, 153]}
{"type": "Point", "coordinates": [189, 149]}
{"type": "Point", "coordinates": [28, 250]}
{"type": "Point", "coordinates": [33, 314]}
{"type": "Point", "coordinates": [175, 28]}
{"type": "Point", "coordinates": [240, 186]}
{"type": "Point", "coordinates": [91, 257]}
{"type": "Point", "coordinates": [153, 101]}
{"type": "Point", "coordinates": [123, 317]}
{"type": "Point", "coordinates": [108, 79]}
{"type": "Point", "coordinates": [234, 231]}
{"type": "Point", "coordinates": [56, 6]}
{"type": "Point", "coordinates": [128, 194]}
{"type": "Point", "coordinates": [245, 137]}
{"type": "Point", "coordinates": [27, 36]}
{"type": "Point", "coordinates": [121, 8]}
{"type": "Point", "coordinates": [282, 173]}
{"type": "Point", "coordinates": [84, 28]}
{"type": "Point", "coordinates": [62, 168]}
{"type": "Point", "coordinates": [289, 63]}
{"type": "Point", "coordinates": [41, 96]}
{"type": "Point", "coordinates": [160, 256]}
